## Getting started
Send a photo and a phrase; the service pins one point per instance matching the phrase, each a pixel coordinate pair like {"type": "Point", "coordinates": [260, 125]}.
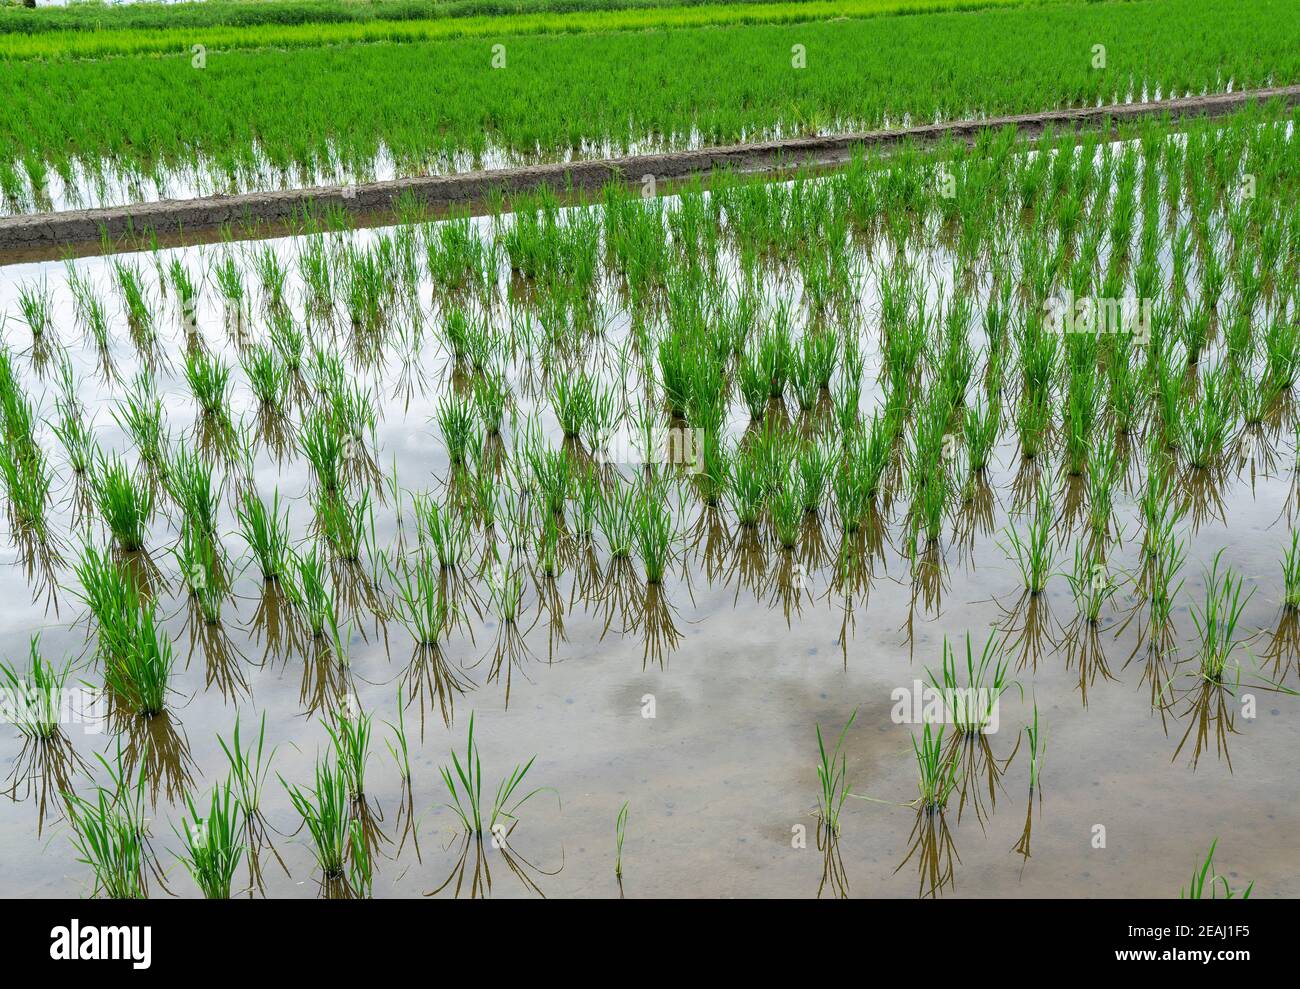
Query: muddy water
{"type": "Point", "coordinates": [741, 655]}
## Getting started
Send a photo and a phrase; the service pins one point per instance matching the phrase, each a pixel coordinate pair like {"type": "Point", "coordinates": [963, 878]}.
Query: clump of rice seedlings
{"type": "Point", "coordinates": [1034, 554]}
{"type": "Point", "coordinates": [552, 475]}
{"type": "Point", "coordinates": [139, 675]}
{"type": "Point", "coordinates": [491, 396]}
{"type": "Point", "coordinates": [78, 441]}
{"type": "Point", "coordinates": [464, 782]}
{"type": "Point", "coordinates": [936, 771]}
{"type": "Point", "coordinates": [36, 306]}
{"type": "Point", "coordinates": [125, 503]}
{"type": "Point", "coordinates": [323, 447]}
{"type": "Point", "coordinates": [141, 415]}
{"type": "Point", "coordinates": [815, 467]}
{"type": "Point", "coordinates": [197, 556]}
{"type": "Point", "coordinates": [361, 870]}
{"type": "Point", "coordinates": [1291, 574]}
{"type": "Point", "coordinates": [109, 834]}
{"type": "Point", "coordinates": [653, 530]}
{"type": "Point", "coordinates": [614, 517]}
{"type": "Point", "coordinates": [351, 738]}
{"type": "Point", "coordinates": [326, 813]}
{"type": "Point", "coordinates": [130, 282]}
{"type": "Point", "coordinates": [787, 513]}
{"type": "Point", "coordinates": [1205, 433]}
{"type": "Point", "coordinates": [347, 527]}
{"type": "Point", "coordinates": [421, 601]}
{"type": "Point", "coordinates": [266, 377]}
{"type": "Point", "coordinates": [981, 430]}
{"type": "Point", "coordinates": [249, 770]}
{"type": "Point", "coordinates": [1216, 620]}
{"type": "Point", "coordinates": [37, 693]}
{"type": "Point", "coordinates": [1032, 420]}
{"type": "Point", "coordinates": [1208, 884]}
{"type": "Point", "coordinates": [189, 482]}
{"type": "Point", "coordinates": [620, 832]}
{"type": "Point", "coordinates": [443, 530]}
{"type": "Point", "coordinates": [213, 845]}
{"type": "Point", "coordinates": [309, 589]}
{"type": "Point", "coordinates": [971, 706]}
{"type": "Point", "coordinates": [754, 384]}
{"type": "Point", "coordinates": [267, 533]}
{"type": "Point", "coordinates": [1282, 352]}
{"type": "Point", "coordinates": [1103, 472]}
{"type": "Point", "coordinates": [774, 354]}
{"type": "Point", "coordinates": [586, 503]}
{"type": "Point", "coordinates": [832, 774]}
{"type": "Point", "coordinates": [573, 397]}
{"type": "Point", "coordinates": [747, 488]}
{"type": "Point", "coordinates": [209, 382]}
{"type": "Point", "coordinates": [456, 420]}
{"type": "Point", "coordinates": [27, 484]}
{"type": "Point", "coordinates": [1091, 585]}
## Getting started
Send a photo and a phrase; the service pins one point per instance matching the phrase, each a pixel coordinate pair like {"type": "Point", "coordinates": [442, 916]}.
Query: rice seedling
{"type": "Point", "coordinates": [351, 738]}
{"type": "Point", "coordinates": [189, 482]}
{"type": "Point", "coordinates": [787, 513]}
{"type": "Point", "coordinates": [267, 533]}
{"type": "Point", "coordinates": [443, 530]}
{"type": "Point", "coordinates": [266, 377]}
{"type": "Point", "coordinates": [1216, 620]}
{"type": "Point", "coordinates": [1032, 732]}
{"type": "Point", "coordinates": [361, 871]}
{"type": "Point", "coordinates": [1090, 583]}
{"type": "Point", "coordinates": [653, 532]}
{"type": "Point", "coordinates": [936, 771]}
{"type": "Point", "coordinates": [981, 427]}
{"type": "Point", "coordinates": [209, 382]}
{"type": "Point", "coordinates": [420, 601]}
{"type": "Point", "coordinates": [109, 834]}
{"type": "Point", "coordinates": [620, 831]}
{"type": "Point", "coordinates": [78, 441]}
{"type": "Point", "coordinates": [1208, 884]}
{"type": "Point", "coordinates": [27, 484]}
{"type": "Point", "coordinates": [464, 782]}
{"type": "Point", "coordinates": [972, 707]}
{"type": "Point", "coordinates": [1034, 553]}
{"type": "Point", "coordinates": [36, 694]}
{"type": "Point", "coordinates": [125, 503]}
{"type": "Point", "coordinates": [456, 420]}
{"type": "Point", "coordinates": [35, 305]}
{"type": "Point", "coordinates": [325, 811]}
{"type": "Point", "coordinates": [320, 443]}
{"type": "Point", "coordinates": [213, 845]}
{"type": "Point", "coordinates": [614, 517]}
{"type": "Point", "coordinates": [309, 589]}
{"type": "Point", "coordinates": [347, 527]}
{"type": "Point", "coordinates": [1291, 573]}
{"type": "Point", "coordinates": [832, 774]}
{"type": "Point", "coordinates": [196, 556]}
{"type": "Point", "coordinates": [139, 676]}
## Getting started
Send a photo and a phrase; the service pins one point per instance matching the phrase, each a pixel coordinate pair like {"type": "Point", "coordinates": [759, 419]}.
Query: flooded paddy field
{"type": "Point", "coordinates": [693, 505]}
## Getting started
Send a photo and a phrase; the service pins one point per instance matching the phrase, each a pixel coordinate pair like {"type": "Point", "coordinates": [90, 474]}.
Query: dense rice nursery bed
{"type": "Point", "coordinates": [668, 509]}
{"type": "Point", "coordinates": [82, 132]}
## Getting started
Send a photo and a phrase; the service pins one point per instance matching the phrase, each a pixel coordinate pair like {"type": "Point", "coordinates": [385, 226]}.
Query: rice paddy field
{"type": "Point", "coordinates": [921, 526]}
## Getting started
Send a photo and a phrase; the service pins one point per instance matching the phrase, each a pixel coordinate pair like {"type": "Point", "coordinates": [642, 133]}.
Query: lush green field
{"type": "Point", "coordinates": [309, 110]}
{"type": "Point", "coordinates": [95, 39]}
